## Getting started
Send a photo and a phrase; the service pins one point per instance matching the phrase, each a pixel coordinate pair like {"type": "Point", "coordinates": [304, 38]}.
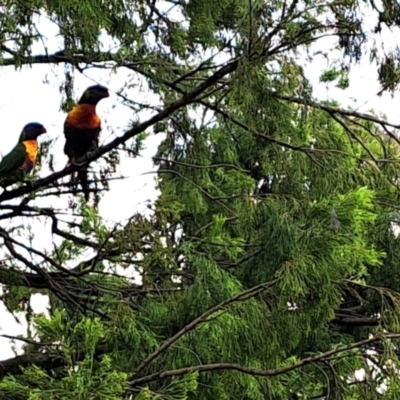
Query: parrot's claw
{"type": "Point", "coordinates": [82, 160]}
{"type": "Point", "coordinates": [31, 184]}
{"type": "Point", "coordinates": [90, 154]}
{"type": "Point", "coordinates": [78, 164]}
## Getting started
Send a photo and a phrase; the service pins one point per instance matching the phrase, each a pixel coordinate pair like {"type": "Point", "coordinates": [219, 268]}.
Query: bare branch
{"type": "Point", "coordinates": [335, 110]}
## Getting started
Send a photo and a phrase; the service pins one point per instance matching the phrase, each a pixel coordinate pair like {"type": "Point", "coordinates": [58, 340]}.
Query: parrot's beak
{"type": "Point", "coordinates": [43, 129]}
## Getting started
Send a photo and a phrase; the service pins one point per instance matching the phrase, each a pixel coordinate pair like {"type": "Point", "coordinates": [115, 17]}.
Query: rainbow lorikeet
{"type": "Point", "coordinates": [22, 158]}
{"type": "Point", "coordinates": [82, 128]}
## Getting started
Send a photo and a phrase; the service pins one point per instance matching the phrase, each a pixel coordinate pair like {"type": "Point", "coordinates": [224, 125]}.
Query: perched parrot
{"type": "Point", "coordinates": [22, 158]}
{"type": "Point", "coordinates": [82, 128]}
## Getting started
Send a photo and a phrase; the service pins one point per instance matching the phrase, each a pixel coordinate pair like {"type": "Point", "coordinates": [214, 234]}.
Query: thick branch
{"type": "Point", "coordinates": [260, 372]}
{"type": "Point", "coordinates": [356, 321]}
{"type": "Point", "coordinates": [12, 277]}
{"type": "Point", "coordinates": [13, 366]}
{"type": "Point", "coordinates": [60, 57]}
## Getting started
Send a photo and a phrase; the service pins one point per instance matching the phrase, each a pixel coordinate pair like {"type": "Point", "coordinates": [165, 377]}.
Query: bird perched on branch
{"type": "Point", "coordinates": [22, 158]}
{"type": "Point", "coordinates": [81, 129]}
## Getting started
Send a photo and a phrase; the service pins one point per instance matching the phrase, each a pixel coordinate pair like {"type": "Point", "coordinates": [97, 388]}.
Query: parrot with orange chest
{"type": "Point", "coordinates": [20, 161]}
{"type": "Point", "coordinates": [82, 129]}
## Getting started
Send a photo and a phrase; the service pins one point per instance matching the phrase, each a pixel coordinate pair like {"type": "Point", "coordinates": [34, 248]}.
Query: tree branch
{"type": "Point", "coordinates": [185, 100]}
{"type": "Point", "coordinates": [335, 110]}
{"type": "Point", "coordinates": [13, 366]}
{"type": "Point", "coordinates": [201, 319]}
{"type": "Point", "coordinates": [260, 372]}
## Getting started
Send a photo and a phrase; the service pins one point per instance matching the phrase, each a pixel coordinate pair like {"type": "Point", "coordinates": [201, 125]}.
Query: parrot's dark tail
{"type": "Point", "coordinates": [83, 178]}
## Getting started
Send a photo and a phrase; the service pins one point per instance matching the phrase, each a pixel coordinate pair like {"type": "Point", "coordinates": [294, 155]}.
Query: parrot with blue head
{"type": "Point", "coordinates": [20, 161]}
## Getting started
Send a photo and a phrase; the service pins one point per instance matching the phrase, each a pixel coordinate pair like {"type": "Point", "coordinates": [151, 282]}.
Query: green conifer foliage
{"type": "Point", "coordinates": [269, 265]}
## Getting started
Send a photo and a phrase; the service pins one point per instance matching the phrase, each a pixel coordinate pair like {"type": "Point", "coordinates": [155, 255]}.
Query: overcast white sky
{"type": "Point", "coordinates": [32, 94]}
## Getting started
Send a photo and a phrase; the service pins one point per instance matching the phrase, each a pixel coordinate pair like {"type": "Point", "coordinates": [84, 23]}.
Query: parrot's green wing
{"type": "Point", "coordinates": [13, 160]}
